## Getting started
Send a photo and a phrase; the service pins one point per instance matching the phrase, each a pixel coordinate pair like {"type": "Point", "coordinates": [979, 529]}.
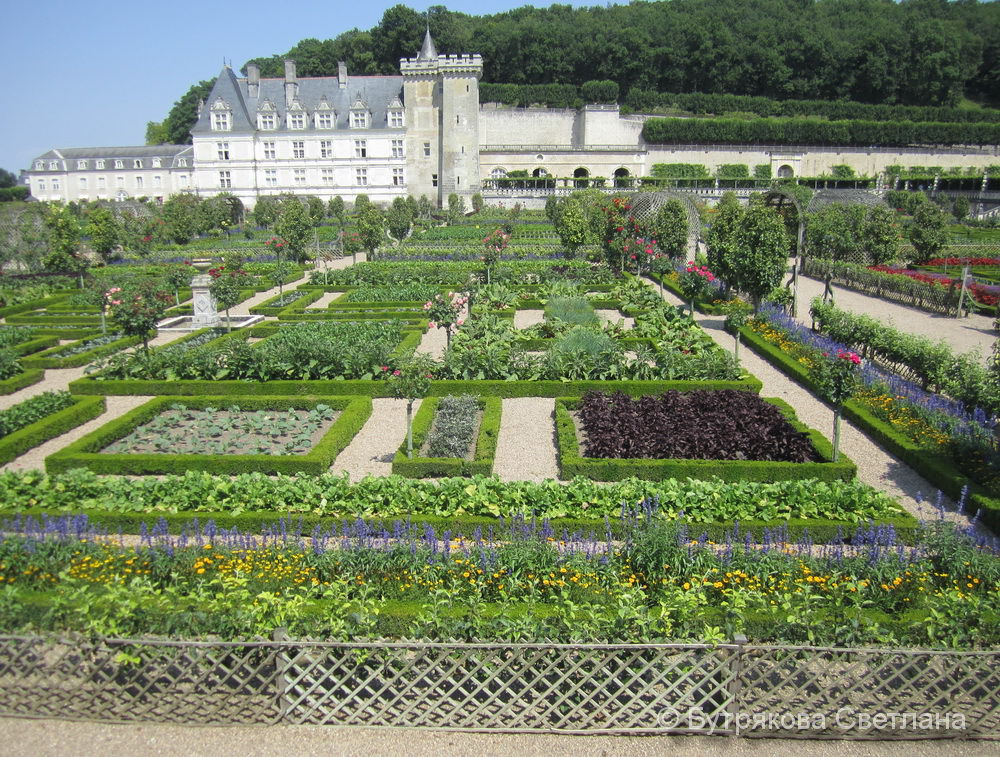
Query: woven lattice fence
{"type": "Point", "coordinates": [587, 688]}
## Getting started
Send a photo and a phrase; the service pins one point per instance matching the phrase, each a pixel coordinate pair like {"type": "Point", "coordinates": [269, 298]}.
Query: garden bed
{"type": "Point", "coordinates": [90, 451]}
{"type": "Point", "coordinates": [936, 468]}
{"type": "Point", "coordinates": [28, 435]}
{"type": "Point", "coordinates": [480, 452]}
{"type": "Point", "coordinates": [621, 435]}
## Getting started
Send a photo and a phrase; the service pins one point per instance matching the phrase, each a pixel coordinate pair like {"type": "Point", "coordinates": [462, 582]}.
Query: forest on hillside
{"type": "Point", "coordinates": [914, 52]}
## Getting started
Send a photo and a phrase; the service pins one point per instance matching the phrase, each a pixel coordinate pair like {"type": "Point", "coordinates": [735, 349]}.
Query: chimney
{"type": "Point", "coordinates": [253, 79]}
{"type": "Point", "coordinates": [342, 74]}
{"type": "Point", "coordinates": [291, 85]}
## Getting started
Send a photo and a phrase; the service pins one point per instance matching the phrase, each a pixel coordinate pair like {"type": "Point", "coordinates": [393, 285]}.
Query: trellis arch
{"type": "Point", "coordinates": [823, 197]}
{"type": "Point", "coordinates": [645, 206]}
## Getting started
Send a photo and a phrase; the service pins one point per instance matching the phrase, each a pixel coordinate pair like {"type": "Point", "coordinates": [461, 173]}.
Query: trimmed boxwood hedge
{"type": "Point", "coordinates": [378, 388]}
{"type": "Point", "coordinates": [21, 380]}
{"type": "Point", "coordinates": [45, 319]}
{"type": "Point", "coordinates": [41, 360]}
{"type": "Point", "coordinates": [434, 467]}
{"type": "Point", "coordinates": [24, 307]}
{"type": "Point", "coordinates": [571, 463]}
{"type": "Point", "coordinates": [819, 531]}
{"type": "Point", "coordinates": [39, 343]}
{"type": "Point", "coordinates": [17, 443]}
{"type": "Point", "coordinates": [85, 452]}
{"type": "Point", "coordinates": [939, 470]}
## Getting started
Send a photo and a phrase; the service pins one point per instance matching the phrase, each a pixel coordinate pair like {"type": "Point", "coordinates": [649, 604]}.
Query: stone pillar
{"type": "Point", "coordinates": [206, 314]}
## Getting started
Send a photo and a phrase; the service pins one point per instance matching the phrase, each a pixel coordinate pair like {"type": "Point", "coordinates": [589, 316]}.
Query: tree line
{"type": "Point", "coordinates": [915, 52]}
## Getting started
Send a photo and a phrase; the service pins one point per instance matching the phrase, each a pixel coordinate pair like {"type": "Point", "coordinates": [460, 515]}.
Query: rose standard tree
{"type": "Point", "coordinates": [225, 289]}
{"type": "Point", "coordinates": [444, 311]}
{"type": "Point", "coordinates": [494, 245]}
{"type": "Point", "coordinates": [137, 309]}
{"type": "Point", "coordinates": [410, 381]}
{"type": "Point", "coordinates": [837, 378]}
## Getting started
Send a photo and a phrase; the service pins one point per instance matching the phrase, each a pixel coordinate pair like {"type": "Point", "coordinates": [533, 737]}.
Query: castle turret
{"type": "Point", "coordinates": [441, 94]}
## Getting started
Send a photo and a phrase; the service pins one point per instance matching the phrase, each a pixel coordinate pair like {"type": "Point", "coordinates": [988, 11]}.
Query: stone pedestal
{"type": "Point", "coordinates": [206, 314]}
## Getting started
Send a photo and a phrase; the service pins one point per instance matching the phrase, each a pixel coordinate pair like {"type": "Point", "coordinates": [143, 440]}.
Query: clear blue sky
{"type": "Point", "coordinates": [91, 73]}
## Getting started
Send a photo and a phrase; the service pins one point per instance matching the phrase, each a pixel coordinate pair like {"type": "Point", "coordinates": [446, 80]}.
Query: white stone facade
{"type": "Point", "coordinates": [422, 132]}
{"type": "Point", "coordinates": [112, 173]}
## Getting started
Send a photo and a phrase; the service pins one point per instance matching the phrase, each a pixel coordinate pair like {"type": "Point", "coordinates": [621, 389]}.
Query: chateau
{"type": "Point", "coordinates": [422, 132]}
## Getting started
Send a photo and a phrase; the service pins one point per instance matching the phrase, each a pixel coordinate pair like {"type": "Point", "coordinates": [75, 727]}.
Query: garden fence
{"type": "Point", "coordinates": [734, 688]}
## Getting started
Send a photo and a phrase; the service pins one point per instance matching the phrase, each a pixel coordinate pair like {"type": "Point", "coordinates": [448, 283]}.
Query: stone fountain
{"type": "Point", "coordinates": [206, 313]}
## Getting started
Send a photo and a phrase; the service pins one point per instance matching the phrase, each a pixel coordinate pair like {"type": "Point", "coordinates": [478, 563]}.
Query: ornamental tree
{"type": "Point", "coordinates": [444, 311]}
{"type": "Point", "coordinates": [410, 381]}
{"type": "Point", "coordinates": [399, 219]}
{"type": "Point", "coordinates": [572, 225]}
{"type": "Point", "coordinates": [338, 210]}
{"type": "Point", "coordinates": [63, 237]}
{"type": "Point", "coordinates": [225, 289]}
{"type": "Point", "coordinates": [928, 233]}
{"type": "Point", "coordinates": [493, 246]}
{"type": "Point", "coordinates": [178, 276]}
{"type": "Point", "coordinates": [670, 229]}
{"type": "Point", "coordinates": [836, 378]}
{"type": "Point", "coordinates": [137, 308]}
{"type": "Point", "coordinates": [294, 227]}
{"type": "Point", "coordinates": [104, 232]}
{"type": "Point", "coordinates": [696, 282]}
{"type": "Point", "coordinates": [760, 253]}
{"type": "Point", "coordinates": [620, 232]}
{"type": "Point", "coordinates": [371, 228]}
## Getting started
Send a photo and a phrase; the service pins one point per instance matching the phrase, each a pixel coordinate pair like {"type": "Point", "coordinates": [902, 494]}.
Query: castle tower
{"type": "Point", "coordinates": [441, 94]}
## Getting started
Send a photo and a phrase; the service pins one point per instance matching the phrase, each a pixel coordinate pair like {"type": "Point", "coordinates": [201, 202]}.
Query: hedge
{"type": "Point", "coordinates": [80, 358]}
{"type": "Point", "coordinates": [435, 467]}
{"type": "Point", "coordinates": [17, 443]}
{"type": "Point", "coordinates": [804, 131]}
{"type": "Point", "coordinates": [86, 452]}
{"type": "Point", "coordinates": [571, 463]}
{"type": "Point", "coordinates": [24, 307]}
{"type": "Point", "coordinates": [819, 531]}
{"type": "Point", "coordinates": [378, 388]}
{"type": "Point", "coordinates": [702, 103]}
{"type": "Point", "coordinates": [21, 380]}
{"type": "Point", "coordinates": [39, 343]}
{"type": "Point", "coordinates": [937, 469]}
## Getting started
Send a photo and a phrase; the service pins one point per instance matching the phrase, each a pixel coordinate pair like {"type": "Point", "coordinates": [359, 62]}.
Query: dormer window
{"type": "Point", "coordinates": [81, 165]}
{"type": "Point", "coordinates": [267, 119]}
{"type": "Point", "coordinates": [182, 162]}
{"type": "Point", "coordinates": [157, 163]}
{"type": "Point", "coordinates": [324, 120]}
{"type": "Point", "coordinates": [222, 116]}
{"type": "Point", "coordinates": [39, 165]}
{"type": "Point", "coordinates": [137, 164]}
{"type": "Point", "coordinates": [119, 164]}
{"type": "Point", "coordinates": [100, 164]}
{"type": "Point", "coordinates": [297, 120]}
{"type": "Point", "coordinates": [53, 165]}
{"type": "Point", "coordinates": [394, 114]}
{"type": "Point", "coordinates": [359, 115]}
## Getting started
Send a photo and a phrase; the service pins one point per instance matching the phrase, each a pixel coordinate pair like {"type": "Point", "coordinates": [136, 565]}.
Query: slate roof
{"type": "Point", "coordinates": [377, 91]}
{"type": "Point", "coordinates": [168, 153]}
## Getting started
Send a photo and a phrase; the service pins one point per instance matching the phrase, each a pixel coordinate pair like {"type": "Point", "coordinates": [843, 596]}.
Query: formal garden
{"type": "Point", "coordinates": [686, 507]}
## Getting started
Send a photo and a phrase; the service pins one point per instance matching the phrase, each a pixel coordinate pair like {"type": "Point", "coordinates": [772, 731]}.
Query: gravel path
{"type": "Point", "coordinates": [526, 444]}
{"type": "Point", "coordinates": [45, 738]}
{"type": "Point", "coordinates": [372, 450]}
{"type": "Point", "coordinates": [961, 334]}
{"type": "Point", "coordinates": [876, 467]}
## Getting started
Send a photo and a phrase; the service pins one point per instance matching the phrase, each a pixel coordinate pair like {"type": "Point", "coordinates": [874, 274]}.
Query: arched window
{"type": "Point", "coordinates": [785, 172]}
{"type": "Point", "coordinates": [540, 173]}
{"type": "Point", "coordinates": [622, 177]}
{"type": "Point", "coordinates": [498, 173]}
